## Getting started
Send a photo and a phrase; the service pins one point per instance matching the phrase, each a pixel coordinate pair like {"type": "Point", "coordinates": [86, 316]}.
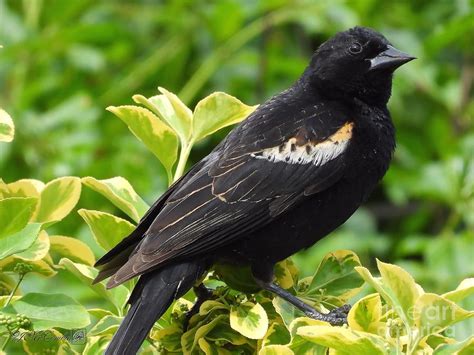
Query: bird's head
{"type": "Point", "coordinates": [356, 63]}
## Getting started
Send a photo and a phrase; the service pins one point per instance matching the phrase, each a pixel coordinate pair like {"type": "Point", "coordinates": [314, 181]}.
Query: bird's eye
{"type": "Point", "coordinates": [355, 48]}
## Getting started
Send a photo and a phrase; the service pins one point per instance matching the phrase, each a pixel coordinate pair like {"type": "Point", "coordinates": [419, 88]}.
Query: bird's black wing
{"type": "Point", "coordinates": [270, 162]}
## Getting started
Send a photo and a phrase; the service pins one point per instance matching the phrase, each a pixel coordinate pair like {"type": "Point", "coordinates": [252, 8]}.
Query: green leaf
{"type": "Point", "coordinates": [157, 136]}
{"type": "Point", "coordinates": [108, 230]}
{"type": "Point", "coordinates": [169, 337]}
{"type": "Point", "coordinates": [465, 347]}
{"type": "Point", "coordinates": [38, 250]}
{"type": "Point", "coordinates": [223, 332]}
{"type": "Point", "coordinates": [217, 111]}
{"type": "Point", "coordinates": [99, 312]}
{"type": "Point", "coordinates": [277, 334]}
{"type": "Point", "coordinates": [161, 106]}
{"type": "Point", "coordinates": [286, 273]}
{"type": "Point", "coordinates": [343, 340]}
{"type": "Point", "coordinates": [71, 248]}
{"type": "Point", "coordinates": [49, 340]}
{"type": "Point", "coordinates": [95, 345]}
{"type": "Point", "coordinates": [394, 297]}
{"type": "Point", "coordinates": [335, 280]}
{"type": "Point", "coordinates": [119, 191]}
{"type": "Point", "coordinates": [300, 345]}
{"type": "Point", "coordinates": [465, 289]}
{"type": "Point", "coordinates": [52, 310]}
{"type": "Point", "coordinates": [209, 349]}
{"type": "Point", "coordinates": [37, 266]}
{"type": "Point", "coordinates": [210, 306]}
{"type": "Point", "coordinates": [249, 319]}
{"type": "Point", "coordinates": [118, 296]}
{"type": "Point", "coordinates": [189, 339]}
{"type": "Point", "coordinates": [365, 314]}
{"type": "Point", "coordinates": [433, 314]}
{"type": "Point", "coordinates": [401, 288]}
{"type": "Point", "coordinates": [239, 278]}
{"type": "Point", "coordinates": [25, 188]}
{"type": "Point", "coordinates": [182, 118]}
{"type": "Point", "coordinates": [7, 129]}
{"type": "Point", "coordinates": [19, 241]}
{"type": "Point", "coordinates": [57, 199]}
{"type": "Point", "coordinates": [7, 284]}
{"type": "Point", "coordinates": [15, 213]}
{"type": "Point", "coordinates": [275, 350]}
{"type": "Point", "coordinates": [107, 325]}
{"type": "Point", "coordinates": [286, 310]}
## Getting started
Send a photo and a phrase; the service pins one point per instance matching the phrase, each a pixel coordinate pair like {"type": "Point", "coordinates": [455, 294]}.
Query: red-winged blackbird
{"type": "Point", "coordinates": [292, 172]}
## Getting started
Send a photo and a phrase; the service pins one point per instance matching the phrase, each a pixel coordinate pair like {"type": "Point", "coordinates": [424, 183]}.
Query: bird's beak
{"type": "Point", "coordinates": [391, 58]}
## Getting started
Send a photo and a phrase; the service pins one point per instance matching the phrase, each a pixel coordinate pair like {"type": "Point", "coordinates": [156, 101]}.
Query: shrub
{"type": "Point", "coordinates": [393, 314]}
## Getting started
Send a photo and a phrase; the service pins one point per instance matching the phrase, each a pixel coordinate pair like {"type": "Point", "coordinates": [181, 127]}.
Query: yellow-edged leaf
{"type": "Point", "coordinates": [50, 339]}
{"type": "Point", "coordinates": [169, 337]}
{"type": "Point", "coordinates": [7, 128]}
{"type": "Point", "coordinates": [119, 191]}
{"type": "Point", "coordinates": [37, 266]}
{"type": "Point", "coordinates": [183, 116]}
{"type": "Point", "coordinates": [25, 188]}
{"type": "Point", "coordinates": [107, 325]}
{"type": "Point", "coordinates": [190, 338]}
{"type": "Point", "coordinates": [275, 350]}
{"type": "Point", "coordinates": [433, 314]}
{"type": "Point", "coordinates": [52, 310]}
{"type": "Point", "coordinates": [286, 273]}
{"type": "Point", "coordinates": [344, 341]}
{"type": "Point", "coordinates": [465, 347]}
{"type": "Point", "coordinates": [277, 334]}
{"type": "Point", "coordinates": [15, 212]}
{"type": "Point", "coordinates": [118, 296]}
{"type": "Point", "coordinates": [57, 199]}
{"type": "Point", "coordinates": [465, 289]}
{"type": "Point", "coordinates": [38, 250]}
{"type": "Point", "coordinates": [217, 111]}
{"type": "Point", "coordinates": [209, 349]}
{"type": "Point", "coordinates": [211, 305]}
{"type": "Point", "coordinates": [401, 288]}
{"type": "Point", "coordinates": [249, 319]}
{"type": "Point", "coordinates": [161, 106]}
{"type": "Point", "coordinates": [300, 345]}
{"type": "Point", "coordinates": [71, 248]}
{"type": "Point", "coordinates": [335, 280]}
{"type": "Point", "coordinates": [160, 139]}
{"type": "Point", "coordinates": [108, 230]}
{"type": "Point", "coordinates": [7, 284]}
{"type": "Point", "coordinates": [20, 241]}
{"type": "Point", "coordinates": [365, 314]}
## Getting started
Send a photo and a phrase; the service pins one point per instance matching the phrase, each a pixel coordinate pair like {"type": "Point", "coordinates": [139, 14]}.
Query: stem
{"type": "Point", "coordinates": [14, 290]}
{"type": "Point", "coordinates": [183, 158]}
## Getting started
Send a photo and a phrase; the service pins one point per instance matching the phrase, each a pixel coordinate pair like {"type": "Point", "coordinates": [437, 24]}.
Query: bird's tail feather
{"type": "Point", "coordinates": [151, 297]}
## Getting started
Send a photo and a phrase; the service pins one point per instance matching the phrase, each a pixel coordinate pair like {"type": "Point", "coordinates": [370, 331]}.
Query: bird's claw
{"type": "Point", "coordinates": [335, 317]}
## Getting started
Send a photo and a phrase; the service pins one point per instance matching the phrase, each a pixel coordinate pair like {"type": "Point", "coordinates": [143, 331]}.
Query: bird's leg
{"type": "Point", "coordinates": [203, 294]}
{"type": "Point", "coordinates": [264, 278]}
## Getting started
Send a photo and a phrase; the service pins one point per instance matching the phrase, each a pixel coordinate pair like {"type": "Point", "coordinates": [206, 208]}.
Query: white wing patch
{"type": "Point", "coordinates": [310, 153]}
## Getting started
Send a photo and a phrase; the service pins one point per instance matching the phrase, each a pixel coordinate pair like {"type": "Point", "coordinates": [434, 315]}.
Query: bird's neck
{"type": "Point", "coordinates": [375, 90]}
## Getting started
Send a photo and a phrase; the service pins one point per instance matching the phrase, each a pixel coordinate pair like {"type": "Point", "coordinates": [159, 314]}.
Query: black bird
{"type": "Point", "coordinates": [293, 171]}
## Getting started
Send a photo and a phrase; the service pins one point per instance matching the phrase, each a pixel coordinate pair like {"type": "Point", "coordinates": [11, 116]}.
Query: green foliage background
{"type": "Point", "coordinates": [63, 62]}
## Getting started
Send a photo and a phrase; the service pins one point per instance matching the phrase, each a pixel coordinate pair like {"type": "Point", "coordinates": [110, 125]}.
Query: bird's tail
{"type": "Point", "coordinates": [151, 297]}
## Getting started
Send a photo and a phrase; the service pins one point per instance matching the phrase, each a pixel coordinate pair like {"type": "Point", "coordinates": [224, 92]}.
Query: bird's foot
{"type": "Point", "coordinates": [337, 316]}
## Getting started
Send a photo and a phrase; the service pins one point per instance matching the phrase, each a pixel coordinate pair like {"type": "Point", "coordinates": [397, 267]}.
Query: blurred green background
{"type": "Point", "coordinates": [63, 62]}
